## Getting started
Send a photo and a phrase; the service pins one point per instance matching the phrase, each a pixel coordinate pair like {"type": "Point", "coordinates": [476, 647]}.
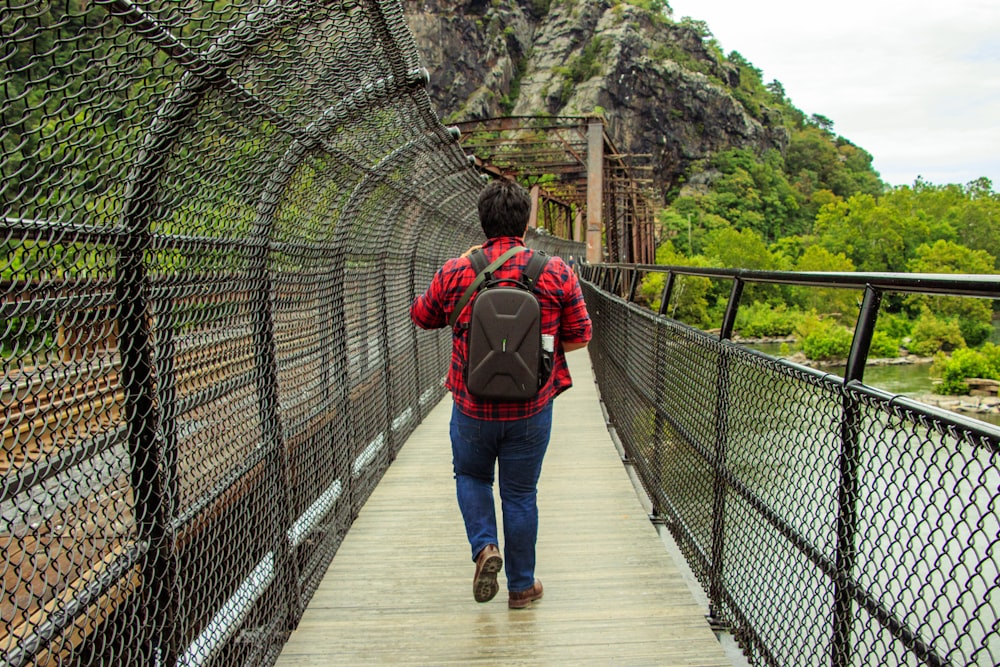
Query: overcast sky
{"type": "Point", "coordinates": [915, 83]}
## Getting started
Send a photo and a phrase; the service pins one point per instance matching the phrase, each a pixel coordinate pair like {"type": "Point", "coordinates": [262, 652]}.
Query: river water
{"type": "Point", "coordinates": [928, 535]}
{"type": "Point", "coordinates": [910, 380]}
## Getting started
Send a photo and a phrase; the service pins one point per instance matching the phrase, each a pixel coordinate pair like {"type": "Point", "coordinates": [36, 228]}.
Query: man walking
{"type": "Point", "coordinates": [510, 435]}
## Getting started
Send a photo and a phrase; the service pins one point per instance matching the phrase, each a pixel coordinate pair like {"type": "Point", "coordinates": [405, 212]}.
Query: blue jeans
{"type": "Point", "coordinates": [519, 446]}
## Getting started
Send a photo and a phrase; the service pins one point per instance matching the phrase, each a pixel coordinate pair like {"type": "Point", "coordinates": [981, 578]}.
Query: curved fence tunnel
{"type": "Point", "coordinates": [212, 213]}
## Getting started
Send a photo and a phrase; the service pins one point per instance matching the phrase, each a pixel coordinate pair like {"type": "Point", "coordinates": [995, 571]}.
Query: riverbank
{"type": "Point", "coordinates": [984, 407]}
{"type": "Point", "coordinates": [800, 358]}
{"type": "Point", "coordinates": [974, 405]}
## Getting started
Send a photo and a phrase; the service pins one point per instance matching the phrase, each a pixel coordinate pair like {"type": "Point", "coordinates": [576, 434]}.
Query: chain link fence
{"type": "Point", "coordinates": [830, 523]}
{"type": "Point", "coordinates": [214, 218]}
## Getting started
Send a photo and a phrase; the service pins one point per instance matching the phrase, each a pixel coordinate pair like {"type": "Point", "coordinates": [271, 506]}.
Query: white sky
{"type": "Point", "coordinates": [913, 82]}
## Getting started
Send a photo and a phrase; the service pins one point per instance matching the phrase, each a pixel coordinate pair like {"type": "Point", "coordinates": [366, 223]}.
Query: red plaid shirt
{"type": "Point", "coordinates": [564, 315]}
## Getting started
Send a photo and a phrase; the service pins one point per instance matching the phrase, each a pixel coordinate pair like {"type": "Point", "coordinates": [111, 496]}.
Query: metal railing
{"type": "Point", "coordinates": [830, 523]}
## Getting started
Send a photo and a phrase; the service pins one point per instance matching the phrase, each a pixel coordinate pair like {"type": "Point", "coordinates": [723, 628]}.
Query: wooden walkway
{"type": "Point", "coordinates": [399, 591]}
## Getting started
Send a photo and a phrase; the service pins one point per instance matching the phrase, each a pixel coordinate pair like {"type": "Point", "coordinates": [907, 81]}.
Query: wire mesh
{"type": "Point", "coordinates": [830, 524]}
{"type": "Point", "coordinates": [214, 218]}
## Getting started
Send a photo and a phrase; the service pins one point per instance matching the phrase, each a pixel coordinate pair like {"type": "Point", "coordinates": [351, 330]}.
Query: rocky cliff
{"type": "Point", "coordinates": [657, 83]}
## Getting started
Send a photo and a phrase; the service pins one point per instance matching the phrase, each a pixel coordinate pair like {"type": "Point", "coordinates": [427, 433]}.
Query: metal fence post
{"type": "Point", "coordinates": [719, 459]}
{"type": "Point", "coordinates": [847, 495]}
{"type": "Point", "coordinates": [668, 288]}
{"type": "Point", "coordinates": [633, 285]}
{"type": "Point", "coordinates": [152, 507]}
{"type": "Point", "coordinates": [863, 333]}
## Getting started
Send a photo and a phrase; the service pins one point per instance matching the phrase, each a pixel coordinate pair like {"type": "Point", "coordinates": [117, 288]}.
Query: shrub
{"type": "Point", "coordinates": [992, 354]}
{"type": "Point", "coordinates": [884, 346]}
{"type": "Point", "coordinates": [825, 339]}
{"type": "Point", "coordinates": [894, 325]}
{"type": "Point", "coordinates": [965, 363]}
{"type": "Point", "coordinates": [760, 319]}
{"type": "Point", "coordinates": [932, 334]}
{"type": "Point", "coordinates": [975, 332]}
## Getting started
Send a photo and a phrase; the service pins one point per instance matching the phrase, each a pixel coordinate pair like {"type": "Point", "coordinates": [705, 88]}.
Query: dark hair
{"type": "Point", "coordinates": [504, 208]}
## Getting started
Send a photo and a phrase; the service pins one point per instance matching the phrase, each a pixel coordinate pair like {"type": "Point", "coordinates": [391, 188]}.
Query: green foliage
{"type": "Point", "coordinates": [884, 346]}
{"type": "Point", "coordinates": [750, 90]}
{"type": "Point", "coordinates": [894, 325]}
{"type": "Point", "coordinates": [974, 315]}
{"type": "Point", "coordinates": [840, 302]}
{"type": "Point", "coordinates": [655, 6]}
{"type": "Point", "coordinates": [867, 233]}
{"type": "Point", "coordinates": [931, 334]}
{"type": "Point", "coordinates": [968, 215]}
{"type": "Point", "coordinates": [586, 65]}
{"type": "Point", "coordinates": [753, 193]}
{"type": "Point", "coordinates": [949, 257]}
{"type": "Point", "coordinates": [975, 331]}
{"type": "Point", "coordinates": [744, 249]}
{"type": "Point", "coordinates": [689, 296]}
{"type": "Point", "coordinates": [823, 339]}
{"type": "Point", "coordinates": [817, 161]}
{"type": "Point", "coordinates": [965, 363]}
{"type": "Point", "coordinates": [675, 53]}
{"type": "Point", "coordinates": [729, 248]}
{"type": "Point", "coordinates": [539, 8]}
{"type": "Point", "coordinates": [687, 223]}
{"type": "Point", "coordinates": [28, 339]}
{"type": "Point", "coordinates": [760, 320]}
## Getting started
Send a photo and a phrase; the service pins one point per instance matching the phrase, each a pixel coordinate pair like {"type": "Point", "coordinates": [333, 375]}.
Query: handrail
{"type": "Point", "coordinates": [735, 446]}
{"type": "Point", "coordinates": [951, 284]}
{"type": "Point", "coordinates": [986, 286]}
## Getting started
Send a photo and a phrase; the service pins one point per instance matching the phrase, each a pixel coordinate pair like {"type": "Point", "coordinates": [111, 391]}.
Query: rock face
{"type": "Point", "coordinates": [659, 87]}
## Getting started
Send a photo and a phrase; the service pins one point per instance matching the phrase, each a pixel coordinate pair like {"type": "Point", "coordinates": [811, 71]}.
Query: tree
{"type": "Point", "coordinates": [969, 215]}
{"type": "Point", "coordinates": [686, 222]}
{"type": "Point", "coordinates": [688, 299]}
{"type": "Point", "coordinates": [866, 233]}
{"type": "Point", "coordinates": [753, 193]}
{"type": "Point", "coordinates": [978, 222]}
{"type": "Point", "coordinates": [777, 91]}
{"type": "Point", "coordinates": [738, 249]}
{"type": "Point", "coordinates": [744, 249]}
{"type": "Point", "coordinates": [843, 302]}
{"type": "Point", "coordinates": [857, 173]}
{"type": "Point", "coordinates": [822, 122]}
{"type": "Point", "coordinates": [974, 315]}
{"type": "Point", "coordinates": [816, 161]}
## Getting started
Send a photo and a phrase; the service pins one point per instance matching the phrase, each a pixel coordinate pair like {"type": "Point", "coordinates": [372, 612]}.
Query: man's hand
{"type": "Point", "coordinates": [469, 251]}
{"type": "Point", "coordinates": [569, 347]}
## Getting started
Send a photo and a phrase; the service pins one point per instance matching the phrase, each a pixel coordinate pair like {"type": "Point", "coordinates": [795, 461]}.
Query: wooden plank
{"type": "Point", "coordinates": [399, 591]}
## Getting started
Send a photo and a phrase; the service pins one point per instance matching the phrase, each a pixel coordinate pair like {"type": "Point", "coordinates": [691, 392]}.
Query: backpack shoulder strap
{"type": "Point", "coordinates": [477, 257]}
{"type": "Point", "coordinates": [534, 268]}
{"type": "Point", "coordinates": [479, 261]}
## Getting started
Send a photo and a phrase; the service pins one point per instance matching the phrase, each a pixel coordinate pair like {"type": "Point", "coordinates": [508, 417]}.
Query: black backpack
{"type": "Point", "coordinates": [506, 357]}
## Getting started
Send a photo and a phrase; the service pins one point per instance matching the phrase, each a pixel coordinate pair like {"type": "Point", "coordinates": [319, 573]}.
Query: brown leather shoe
{"type": "Point", "coordinates": [524, 598]}
{"type": "Point", "coordinates": [488, 563]}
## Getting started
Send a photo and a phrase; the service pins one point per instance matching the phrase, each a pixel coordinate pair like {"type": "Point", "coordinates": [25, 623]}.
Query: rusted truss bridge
{"type": "Point", "coordinates": [582, 188]}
